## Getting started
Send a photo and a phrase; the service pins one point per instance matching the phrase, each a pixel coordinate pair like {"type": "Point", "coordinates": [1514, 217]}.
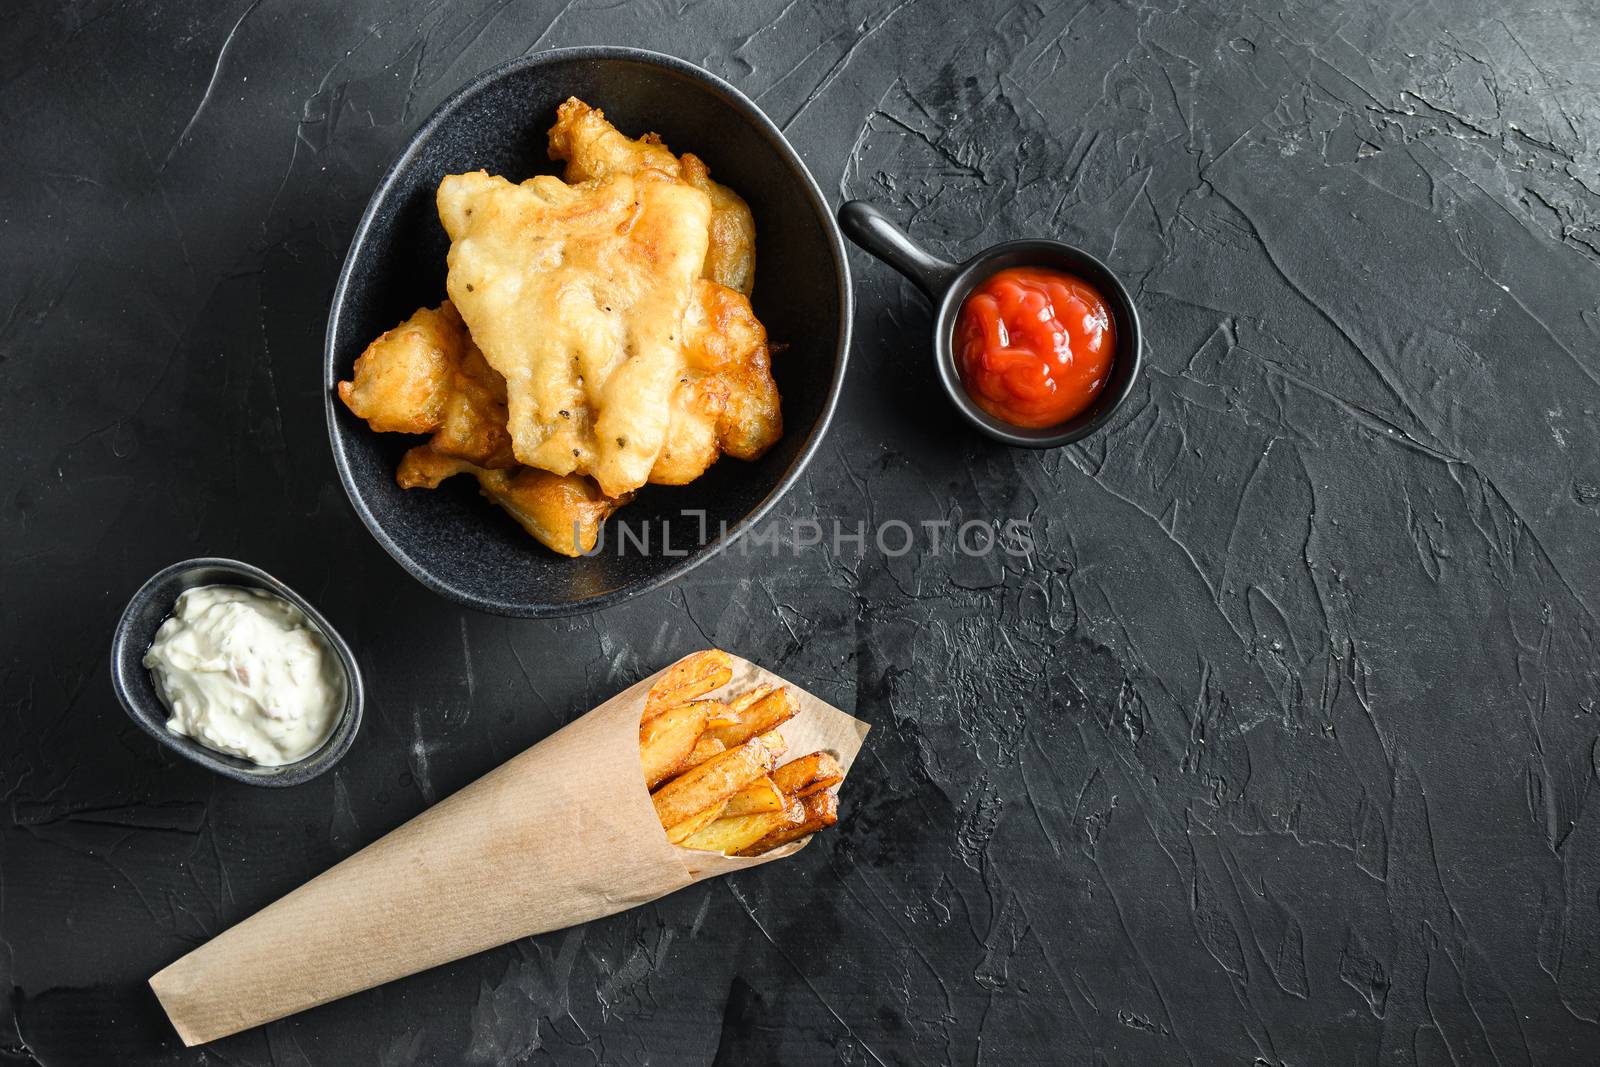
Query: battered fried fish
{"type": "Point", "coordinates": [426, 376]}
{"type": "Point", "coordinates": [569, 236]}
{"type": "Point", "coordinates": [593, 148]}
{"type": "Point", "coordinates": [727, 342]}
{"type": "Point", "coordinates": [730, 377]}
{"type": "Point", "coordinates": [618, 345]}
{"type": "Point", "coordinates": [577, 294]}
{"type": "Point", "coordinates": [564, 513]}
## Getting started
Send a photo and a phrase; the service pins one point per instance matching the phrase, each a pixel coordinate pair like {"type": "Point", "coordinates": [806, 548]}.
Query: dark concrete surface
{"type": "Point", "coordinates": [1278, 748]}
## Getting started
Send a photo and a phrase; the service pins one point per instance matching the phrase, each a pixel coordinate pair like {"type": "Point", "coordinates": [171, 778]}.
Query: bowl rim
{"type": "Point", "coordinates": [404, 158]}
{"type": "Point", "coordinates": [323, 758]}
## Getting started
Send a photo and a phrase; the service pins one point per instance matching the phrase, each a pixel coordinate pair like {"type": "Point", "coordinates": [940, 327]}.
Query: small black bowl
{"type": "Point", "coordinates": [143, 616]}
{"type": "Point", "coordinates": [947, 285]}
{"type": "Point", "coordinates": [450, 539]}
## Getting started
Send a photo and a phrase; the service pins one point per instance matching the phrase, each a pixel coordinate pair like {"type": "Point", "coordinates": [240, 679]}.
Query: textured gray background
{"type": "Point", "coordinates": [1280, 748]}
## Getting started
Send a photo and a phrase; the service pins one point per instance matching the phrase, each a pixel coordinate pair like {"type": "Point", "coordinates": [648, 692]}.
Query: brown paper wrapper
{"type": "Point", "coordinates": [559, 835]}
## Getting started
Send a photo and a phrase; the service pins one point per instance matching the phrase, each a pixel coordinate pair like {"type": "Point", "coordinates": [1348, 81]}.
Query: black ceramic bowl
{"type": "Point", "coordinates": [451, 539]}
{"type": "Point", "coordinates": [145, 613]}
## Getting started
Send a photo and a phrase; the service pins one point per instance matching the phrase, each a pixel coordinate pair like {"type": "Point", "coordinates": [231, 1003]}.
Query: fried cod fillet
{"type": "Point", "coordinates": [577, 294]}
{"type": "Point", "coordinates": [730, 375]}
{"type": "Point", "coordinates": [427, 376]}
{"type": "Point", "coordinates": [592, 148]}
{"type": "Point", "coordinates": [598, 336]}
{"type": "Point", "coordinates": [563, 513]}
{"type": "Point", "coordinates": [727, 342]}
{"type": "Point", "coordinates": [725, 399]}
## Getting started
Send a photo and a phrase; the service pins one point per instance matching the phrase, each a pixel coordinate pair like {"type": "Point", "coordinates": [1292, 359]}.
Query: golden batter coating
{"type": "Point", "coordinates": [727, 342]}
{"type": "Point", "coordinates": [404, 378]}
{"type": "Point", "coordinates": [593, 148]}
{"type": "Point", "coordinates": [577, 295]}
{"type": "Point", "coordinates": [426, 376]}
{"type": "Point", "coordinates": [564, 513]}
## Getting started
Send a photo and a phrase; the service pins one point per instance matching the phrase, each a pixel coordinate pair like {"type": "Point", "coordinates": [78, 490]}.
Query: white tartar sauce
{"type": "Point", "coordinates": [245, 672]}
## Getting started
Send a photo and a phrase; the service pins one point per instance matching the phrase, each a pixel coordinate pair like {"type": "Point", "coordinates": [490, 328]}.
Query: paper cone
{"type": "Point", "coordinates": [561, 834]}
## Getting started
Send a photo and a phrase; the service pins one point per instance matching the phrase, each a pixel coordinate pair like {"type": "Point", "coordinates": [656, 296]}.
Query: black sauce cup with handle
{"type": "Point", "coordinates": [948, 284]}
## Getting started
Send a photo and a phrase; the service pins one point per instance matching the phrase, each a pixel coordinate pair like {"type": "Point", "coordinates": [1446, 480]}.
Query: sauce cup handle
{"type": "Point", "coordinates": [872, 230]}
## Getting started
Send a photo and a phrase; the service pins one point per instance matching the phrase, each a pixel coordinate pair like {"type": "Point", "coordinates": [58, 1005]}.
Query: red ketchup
{"type": "Point", "coordinates": [1034, 346]}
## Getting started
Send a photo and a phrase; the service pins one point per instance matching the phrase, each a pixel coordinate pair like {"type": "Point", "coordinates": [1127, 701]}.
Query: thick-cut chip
{"type": "Point", "coordinates": [731, 836]}
{"type": "Point", "coordinates": [821, 812]}
{"type": "Point", "coordinates": [808, 774]}
{"type": "Point", "coordinates": [577, 295]}
{"type": "Point", "coordinates": [695, 823]}
{"type": "Point", "coordinates": [743, 702]}
{"type": "Point", "coordinates": [717, 779]}
{"type": "Point", "coordinates": [666, 741]}
{"type": "Point", "coordinates": [693, 676]}
{"type": "Point", "coordinates": [718, 714]}
{"type": "Point", "coordinates": [703, 750]}
{"type": "Point", "coordinates": [766, 714]}
{"type": "Point", "coordinates": [735, 799]}
{"type": "Point", "coordinates": [563, 513]}
{"type": "Point", "coordinates": [762, 794]}
{"type": "Point", "coordinates": [593, 148]}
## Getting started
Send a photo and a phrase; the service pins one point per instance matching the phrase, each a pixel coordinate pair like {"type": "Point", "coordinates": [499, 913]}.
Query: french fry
{"type": "Point", "coordinates": [666, 741]}
{"type": "Point", "coordinates": [730, 835]}
{"type": "Point", "coordinates": [808, 774]}
{"type": "Point", "coordinates": [762, 716]}
{"type": "Point", "coordinates": [741, 703]}
{"type": "Point", "coordinates": [760, 795]}
{"type": "Point", "coordinates": [821, 811]}
{"type": "Point", "coordinates": [691, 677]}
{"type": "Point", "coordinates": [719, 715]}
{"type": "Point", "coordinates": [717, 779]}
{"type": "Point", "coordinates": [712, 764]}
{"type": "Point", "coordinates": [776, 745]}
{"type": "Point", "coordinates": [695, 823]}
{"type": "Point", "coordinates": [703, 750]}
